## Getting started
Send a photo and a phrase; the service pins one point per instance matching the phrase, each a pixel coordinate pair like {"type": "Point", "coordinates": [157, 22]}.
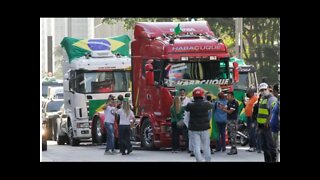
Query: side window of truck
{"type": "Point", "coordinates": [144, 62]}
{"type": "Point", "coordinates": [157, 69]}
{"type": "Point", "coordinates": [71, 80]}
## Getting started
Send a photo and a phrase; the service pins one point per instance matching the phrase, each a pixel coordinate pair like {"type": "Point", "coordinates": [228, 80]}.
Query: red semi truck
{"type": "Point", "coordinates": [167, 56]}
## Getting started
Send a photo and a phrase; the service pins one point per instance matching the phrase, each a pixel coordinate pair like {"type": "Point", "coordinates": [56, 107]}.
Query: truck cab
{"type": "Point", "coordinates": [163, 62]}
{"type": "Point", "coordinates": [88, 81]}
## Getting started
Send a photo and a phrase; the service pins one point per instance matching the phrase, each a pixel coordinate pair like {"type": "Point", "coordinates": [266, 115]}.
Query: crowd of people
{"type": "Point", "coordinates": [191, 118]}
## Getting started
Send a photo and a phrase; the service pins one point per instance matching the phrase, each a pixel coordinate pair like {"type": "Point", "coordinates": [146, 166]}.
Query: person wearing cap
{"type": "Point", "coordinates": [250, 121]}
{"type": "Point", "coordinates": [232, 109]}
{"type": "Point", "coordinates": [199, 124]}
{"type": "Point", "coordinates": [266, 104]}
{"type": "Point", "coordinates": [109, 113]}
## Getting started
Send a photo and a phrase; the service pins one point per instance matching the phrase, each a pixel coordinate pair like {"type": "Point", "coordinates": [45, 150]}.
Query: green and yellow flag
{"type": "Point", "coordinates": [177, 30]}
{"type": "Point", "coordinates": [77, 48]}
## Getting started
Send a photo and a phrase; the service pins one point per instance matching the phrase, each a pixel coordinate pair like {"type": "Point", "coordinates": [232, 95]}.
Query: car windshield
{"type": "Point", "coordinates": [54, 106]}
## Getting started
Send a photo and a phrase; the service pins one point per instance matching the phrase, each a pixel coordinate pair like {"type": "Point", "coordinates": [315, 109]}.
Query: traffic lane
{"type": "Point", "coordinates": [88, 152]}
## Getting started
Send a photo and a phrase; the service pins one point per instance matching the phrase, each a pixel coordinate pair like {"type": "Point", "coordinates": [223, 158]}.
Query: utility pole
{"type": "Point", "coordinates": [50, 63]}
{"type": "Point", "coordinates": [238, 32]}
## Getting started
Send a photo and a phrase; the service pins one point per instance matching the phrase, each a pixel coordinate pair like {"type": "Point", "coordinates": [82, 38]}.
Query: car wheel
{"type": "Point", "coordinates": [61, 140]}
{"type": "Point", "coordinates": [44, 144]}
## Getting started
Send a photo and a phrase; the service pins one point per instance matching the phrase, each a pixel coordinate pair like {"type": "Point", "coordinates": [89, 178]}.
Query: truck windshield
{"type": "Point", "coordinates": [180, 72]}
{"type": "Point", "coordinates": [243, 82]}
{"type": "Point", "coordinates": [103, 82]}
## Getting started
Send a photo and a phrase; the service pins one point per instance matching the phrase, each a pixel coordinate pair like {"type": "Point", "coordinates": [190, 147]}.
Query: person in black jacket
{"type": "Point", "coordinates": [199, 124]}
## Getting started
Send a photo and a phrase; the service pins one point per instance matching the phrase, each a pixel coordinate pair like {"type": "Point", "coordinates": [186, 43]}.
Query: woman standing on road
{"type": "Point", "coordinates": [124, 127]}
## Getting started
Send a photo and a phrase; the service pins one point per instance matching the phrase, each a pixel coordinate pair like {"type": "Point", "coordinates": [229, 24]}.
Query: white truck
{"type": "Point", "coordinates": [88, 81]}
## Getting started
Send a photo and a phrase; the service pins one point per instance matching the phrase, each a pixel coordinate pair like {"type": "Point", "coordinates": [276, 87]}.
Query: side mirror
{"type": "Point", "coordinates": [127, 95]}
{"type": "Point", "coordinates": [235, 72]}
{"type": "Point", "coordinates": [149, 74]}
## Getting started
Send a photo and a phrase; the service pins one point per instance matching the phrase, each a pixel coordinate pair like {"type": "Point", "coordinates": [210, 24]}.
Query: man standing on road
{"type": "Point", "coordinates": [232, 116]}
{"type": "Point", "coordinates": [264, 114]}
{"type": "Point", "coordinates": [250, 121]}
{"type": "Point", "coordinates": [199, 124]}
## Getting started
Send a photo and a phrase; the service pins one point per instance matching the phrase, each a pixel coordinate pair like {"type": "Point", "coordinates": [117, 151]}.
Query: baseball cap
{"type": "Point", "coordinates": [263, 86]}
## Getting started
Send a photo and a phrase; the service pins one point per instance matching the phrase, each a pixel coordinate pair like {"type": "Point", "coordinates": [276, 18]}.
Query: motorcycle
{"type": "Point", "coordinates": [242, 133]}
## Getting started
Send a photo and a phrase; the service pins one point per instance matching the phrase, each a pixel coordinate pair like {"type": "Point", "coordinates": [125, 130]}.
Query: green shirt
{"type": "Point", "coordinates": [175, 117]}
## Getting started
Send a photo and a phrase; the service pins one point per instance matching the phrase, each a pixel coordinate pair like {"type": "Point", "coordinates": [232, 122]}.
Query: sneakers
{"type": "Point", "coordinates": [109, 152]}
{"type": "Point", "coordinates": [251, 149]}
{"type": "Point", "coordinates": [192, 154]}
{"type": "Point", "coordinates": [129, 151]}
{"type": "Point", "coordinates": [233, 151]}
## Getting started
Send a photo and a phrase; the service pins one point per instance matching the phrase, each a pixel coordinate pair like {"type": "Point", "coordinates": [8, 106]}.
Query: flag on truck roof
{"type": "Point", "coordinates": [76, 48]}
{"type": "Point", "coordinates": [177, 30]}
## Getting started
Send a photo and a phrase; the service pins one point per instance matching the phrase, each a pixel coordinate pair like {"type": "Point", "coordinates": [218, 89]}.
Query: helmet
{"type": "Point", "coordinates": [198, 92]}
{"type": "Point", "coordinates": [263, 86]}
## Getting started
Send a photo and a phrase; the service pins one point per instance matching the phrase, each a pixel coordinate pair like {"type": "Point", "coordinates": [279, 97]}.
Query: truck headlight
{"type": "Point", "coordinates": [83, 125]}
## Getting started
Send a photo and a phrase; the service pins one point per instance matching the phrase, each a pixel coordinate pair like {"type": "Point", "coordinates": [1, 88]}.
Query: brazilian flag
{"type": "Point", "coordinates": [77, 48]}
{"type": "Point", "coordinates": [213, 91]}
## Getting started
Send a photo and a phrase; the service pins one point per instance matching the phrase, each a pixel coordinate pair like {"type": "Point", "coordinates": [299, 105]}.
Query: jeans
{"type": "Point", "coordinates": [124, 138]}
{"type": "Point", "coordinates": [110, 136]}
{"type": "Point", "coordinates": [275, 137]}
{"type": "Point", "coordinates": [186, 137]}
{"type": "Point", "coordinates": [201, 137]}
{"type": "Point", "coordinates": [252, 135]}
{"type": "Point", "coordinates": [258, 139]}
{"type": "Point", "coordinates": [221, 142]}
{"type": "Point", "coordinates": [190, 141]}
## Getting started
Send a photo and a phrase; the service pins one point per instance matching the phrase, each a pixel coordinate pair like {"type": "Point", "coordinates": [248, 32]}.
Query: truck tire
{"type": "Point", "coordinates": [73, 141]}
{"type": "Point", "coordinates": [147, 140]}
{"type": "Point", "coordinates": [97, 134]}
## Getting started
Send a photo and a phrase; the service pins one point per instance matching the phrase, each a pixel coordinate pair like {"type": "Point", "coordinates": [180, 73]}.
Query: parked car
{"type": "Point", "coordinates": [50, 111]}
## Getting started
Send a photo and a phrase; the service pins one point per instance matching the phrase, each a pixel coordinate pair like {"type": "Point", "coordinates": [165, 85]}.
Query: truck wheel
{"type": "Point", "coordinates": [73, 141]}
{"type": "Point", "coordinates": [98, 136]}
{"type": "Point", "coordinates": [147, 135]}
